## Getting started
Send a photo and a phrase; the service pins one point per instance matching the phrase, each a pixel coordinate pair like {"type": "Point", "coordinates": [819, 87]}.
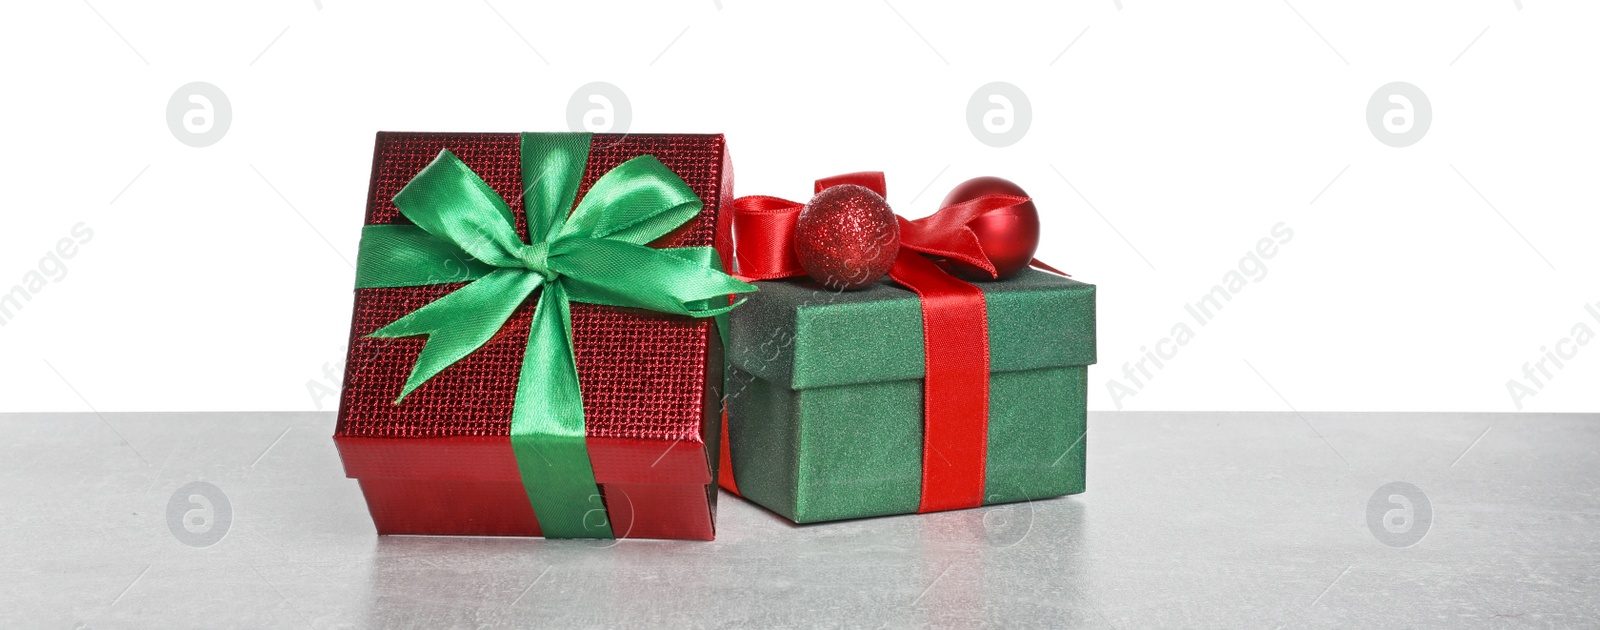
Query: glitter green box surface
{"type": "Point", "coordinates": [825, 395]}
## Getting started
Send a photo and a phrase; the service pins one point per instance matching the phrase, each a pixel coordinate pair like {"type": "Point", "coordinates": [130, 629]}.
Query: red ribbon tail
{"type": "Point", "coordinates": [1039, 264]}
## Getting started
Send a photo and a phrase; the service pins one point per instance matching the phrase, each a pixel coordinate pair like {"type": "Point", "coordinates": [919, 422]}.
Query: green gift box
{"type": "Point", "coordinates": [825, 395]}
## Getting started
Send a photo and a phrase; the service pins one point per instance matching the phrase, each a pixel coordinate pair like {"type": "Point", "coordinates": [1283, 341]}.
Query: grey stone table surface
{"type": "Point", "coordinates": [1235, 520]}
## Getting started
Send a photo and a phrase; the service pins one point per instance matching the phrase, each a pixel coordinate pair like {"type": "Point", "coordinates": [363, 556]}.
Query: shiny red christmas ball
{"type": "Point", "coordinates": [1008, 235]}
{"type": "Point", "coordinates": [846, 237]}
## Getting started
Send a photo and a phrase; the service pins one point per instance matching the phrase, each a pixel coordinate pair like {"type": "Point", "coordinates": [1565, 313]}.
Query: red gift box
{"type": "Point", "coordinates": [441, 462]}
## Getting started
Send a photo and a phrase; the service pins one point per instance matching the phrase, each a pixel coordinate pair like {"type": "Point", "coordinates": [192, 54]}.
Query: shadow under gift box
{"type": "Point", "coordinates": [441, 462]}
{"type": "Point", "coordinates": [825, 395]}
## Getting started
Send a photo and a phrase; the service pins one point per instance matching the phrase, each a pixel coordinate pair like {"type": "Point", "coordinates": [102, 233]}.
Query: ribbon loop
{"type": "Point", "coordinates": [634, 203]}
{"type": "Point", "coordinates": [945, 233]}
{"type": "Point", "coordinates": [449, 201]}
{"type": "Point", "coordinates": [763, 233]}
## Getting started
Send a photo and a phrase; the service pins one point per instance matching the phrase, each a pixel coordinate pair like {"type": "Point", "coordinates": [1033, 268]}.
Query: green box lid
{"type": "Point", "coordinates": [802, 335]}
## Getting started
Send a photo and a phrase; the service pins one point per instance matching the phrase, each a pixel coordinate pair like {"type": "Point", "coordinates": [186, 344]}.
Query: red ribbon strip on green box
{"type": "Point", "coordinates": [464, 232]}
{"type": "Point", "coordinates": [954, 325]}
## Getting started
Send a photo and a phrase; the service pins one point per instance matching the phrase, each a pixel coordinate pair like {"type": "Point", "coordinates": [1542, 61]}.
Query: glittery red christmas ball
{"type": "Point", "coordinates": [846, 237]}
{"type": "Point", "coordinates": [1008, 235]}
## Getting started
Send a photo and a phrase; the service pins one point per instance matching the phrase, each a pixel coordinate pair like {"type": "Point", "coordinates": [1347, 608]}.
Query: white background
{"type": "Point", "coordinates": [218, 278]}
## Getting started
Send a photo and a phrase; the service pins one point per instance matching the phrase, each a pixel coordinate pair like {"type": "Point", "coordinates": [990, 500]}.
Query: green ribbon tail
{"type": "Point", "coordinates": [459, 323]}
{"type": "Point", "coordinates": [547, 429]}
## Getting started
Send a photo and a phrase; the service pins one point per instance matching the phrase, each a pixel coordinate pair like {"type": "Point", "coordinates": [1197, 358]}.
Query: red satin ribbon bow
{"type": "Point", "coordinates": [955, 329]}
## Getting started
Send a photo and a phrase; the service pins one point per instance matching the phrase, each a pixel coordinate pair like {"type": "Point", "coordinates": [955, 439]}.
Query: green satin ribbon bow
{"type": "Point", "coordinates": [465, 232]}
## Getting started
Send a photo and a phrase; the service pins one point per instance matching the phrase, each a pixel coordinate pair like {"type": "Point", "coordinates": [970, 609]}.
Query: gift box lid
{"type": "Point", "coordinates": [802, 335]}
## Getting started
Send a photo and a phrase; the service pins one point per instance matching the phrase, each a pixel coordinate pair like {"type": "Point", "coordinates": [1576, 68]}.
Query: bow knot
{"type": "Point", "coordinates": [536, 258]}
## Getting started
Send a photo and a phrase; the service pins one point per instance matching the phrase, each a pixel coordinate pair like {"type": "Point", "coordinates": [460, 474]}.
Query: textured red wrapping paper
{"type": "Point", "coordinates": [441, 462]}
